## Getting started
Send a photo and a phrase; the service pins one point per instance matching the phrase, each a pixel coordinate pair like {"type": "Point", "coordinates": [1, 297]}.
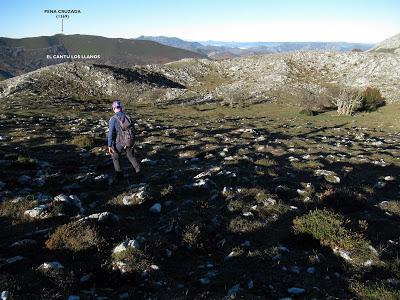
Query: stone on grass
{"type": "Point", "coordinates": [14, 259]}
{"type": "Point", "coordinates": [343, 254]}
{"type": "Point", "coordinates": [310, 270]}
{"type": "Point", "coordinates": [204, 281]}
{"type": "Point", "coordinates": [329, 176]}
{"type": "Point", "coordinates": [24, 179]}
{"type": "Point", "coordinates": [156, 208]}
{"type": "Point", "coordinates": [233, 290]}
{"type": "Point", "coordinates": [71, 199]}
{"type": "Point", "coordinates": [23, 242]}
{"type": "Point", "coordinates": [5, 295]}
{"type": "Point", "coordinates": [36, 212]}
{"type": "Point", "coordinates": [138, 196]}
{"type": "Point", "coordinates": [296, 291]}
{"type": "Point", "coordinates": [250, 284]}
{"type": "Point", "coordinates": [125, 245]}
{"type": "Point", "coordinates": [380, 185]}
{"type": "Point", "coordinates": [52, 265]}
{"type": "Point", "coordinates": [86, 277]}
{"type": "Point", "coordinates": [104, 217]}
{"type": "Point", "coordinates": [389, 178]}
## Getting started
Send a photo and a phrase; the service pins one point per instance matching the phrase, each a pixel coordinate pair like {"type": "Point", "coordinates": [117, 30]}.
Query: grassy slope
{"type": "Point", "coordinates": [88, 44]}
{"type": "Point", "coordinates": [387, 117]}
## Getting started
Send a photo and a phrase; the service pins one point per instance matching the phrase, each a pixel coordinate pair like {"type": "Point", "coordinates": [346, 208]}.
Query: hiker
{"type": "Point", "coordinates": [121, 139]}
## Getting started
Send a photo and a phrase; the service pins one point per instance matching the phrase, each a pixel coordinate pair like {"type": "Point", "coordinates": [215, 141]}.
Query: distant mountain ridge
{"type": "Point", "coordinates": [217, 49]}
{"type": "Point", "coordinates": [18, 56]}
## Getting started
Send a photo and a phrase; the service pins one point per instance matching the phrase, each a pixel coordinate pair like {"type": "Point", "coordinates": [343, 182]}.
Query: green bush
{"type": "Point", "coordinates": [84, 141]}
{"type": "Point", "coordinates": [375, 292]}
{"type": "Point", "coordinates": [308, 112]}
{"type": "Point", "coordinates": [330, 230]}
{"type": "Point", "coordinates": [371, 100]}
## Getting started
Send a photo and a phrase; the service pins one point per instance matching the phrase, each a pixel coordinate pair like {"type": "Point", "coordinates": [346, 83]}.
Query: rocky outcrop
{"type": "Point", "coordinates": [256, 78]}
{"type": "Point", "coordinates": [263, 76]}
{"type": "Point", "coordinates": [82, 81]}
{"type": "Point", "coordinates": [390, 45]}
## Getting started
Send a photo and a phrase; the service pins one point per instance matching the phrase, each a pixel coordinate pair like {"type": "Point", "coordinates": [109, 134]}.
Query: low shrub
{"type": "Point", "coordinates": [343, 199]}
{"type": "Point", "coordinates": [308, 112]}
{"type": "Point", "coordinates": [371, 99]}
{"type": "Point", "coordinates": [330, 230]}
{"type": "Point", "coordinates": [84, 141]}
{"type": "Point", "coordinates": [74, 236]}
{"type": "Point", "coordinates": [193, 236]}
{"type": "Point", "coordinates": [375, 292]}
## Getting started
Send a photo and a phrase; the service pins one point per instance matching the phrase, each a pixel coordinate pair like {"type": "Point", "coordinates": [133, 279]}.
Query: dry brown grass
{"type": "Point", "coordinates": [74, 236]}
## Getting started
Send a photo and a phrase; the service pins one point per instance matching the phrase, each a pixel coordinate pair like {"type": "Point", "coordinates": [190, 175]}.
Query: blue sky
{"type": "Point", "coordinates": [251, 20]}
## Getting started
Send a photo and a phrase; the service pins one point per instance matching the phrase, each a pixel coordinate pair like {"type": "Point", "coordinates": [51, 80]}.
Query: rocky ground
{"type": "Point", "coordinates": [287, 78]}
{"type": "Point", "coordinates": [253, 203]}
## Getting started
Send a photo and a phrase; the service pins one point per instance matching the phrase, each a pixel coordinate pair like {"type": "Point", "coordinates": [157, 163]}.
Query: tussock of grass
{"type": "Point", "coordinates": [393, 207]}
{"type": "Point", "coordinates": [84, 141]}
{"type": "Point", "coordinates": [193, 236]}
{"type": "Point", "coordinates": [375, 292]}
{"type": "Point", "coordinates": [15, 210]}
{"type": "Point", "coordinates": [74, 236]}
{"type": "Point", "coordinates": [306, 165]}
{"type": "Point", "coordinates": [342, 199]}
{"type": "Point", "coordinates": [167, 191]}
{"type": "Point", "coordinates": [265, 162]}
{"type": "Point", "coordinates": [241, 225]}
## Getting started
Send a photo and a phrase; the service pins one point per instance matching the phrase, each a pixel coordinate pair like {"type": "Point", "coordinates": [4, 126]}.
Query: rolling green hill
{"type": "Point", "coordinates": [18, 56]}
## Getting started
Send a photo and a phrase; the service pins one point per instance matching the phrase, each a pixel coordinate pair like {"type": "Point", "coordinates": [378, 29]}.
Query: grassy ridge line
{"type": "Point", "coordinates": [88, 44]}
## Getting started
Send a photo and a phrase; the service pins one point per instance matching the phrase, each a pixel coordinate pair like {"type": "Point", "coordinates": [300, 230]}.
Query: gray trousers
{"type": "Point", "coordinates": [129, 154]}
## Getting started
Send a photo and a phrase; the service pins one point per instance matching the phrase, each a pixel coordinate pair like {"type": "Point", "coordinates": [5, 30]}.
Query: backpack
{"type": "Point", "coordinates": [125, 132]}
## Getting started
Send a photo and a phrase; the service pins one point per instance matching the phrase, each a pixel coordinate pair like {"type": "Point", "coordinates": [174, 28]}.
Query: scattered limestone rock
{"type": "Point", "coordinates": [38, 212]}
{"type": "Point", "coordinates": [52, 265]}
{"type": "Point", "coordinates": [5, 295]}
{"type": "Point", "coordinates": [14, 259]}
{"type": "Point", "coordinates": [329, 176]}
{"type": "Point", "coordinates": [125, 245]}
{"type": "Point", "coordinates": [204, 281]}
{"type": "Point", "coordinates": [24, 179]}
{"type": "Point", "coordinates": [156, 208]}
{"type": "Point", "coordinates": [23, 243]}
{"type": "Point", "coordinates": [71, 199]}
{"type": "Point", "coordinates": [296, 291]}
{"type": "Point", "coordinates": [138, 196]}
{"type": "Point", "coordinates": [233, 290]}
{"type": "Point", "coordinates": [380, 185]}
{"type": "Point", "coordinates": [103, 217]}
{"type": "Point", "coordinates": [343, 253]}
{"type": "Point", "coordinates": [390, 178]}
{"type": "Point", "coordinates": [86, 278]}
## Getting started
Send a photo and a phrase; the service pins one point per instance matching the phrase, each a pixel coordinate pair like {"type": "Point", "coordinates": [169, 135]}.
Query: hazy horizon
{"type": "Point", "coordinates": [251, 21]}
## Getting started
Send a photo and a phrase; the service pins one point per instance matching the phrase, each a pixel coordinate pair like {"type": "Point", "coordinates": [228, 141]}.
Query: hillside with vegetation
{"type": "Point", "coordinates": [18, 56]}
